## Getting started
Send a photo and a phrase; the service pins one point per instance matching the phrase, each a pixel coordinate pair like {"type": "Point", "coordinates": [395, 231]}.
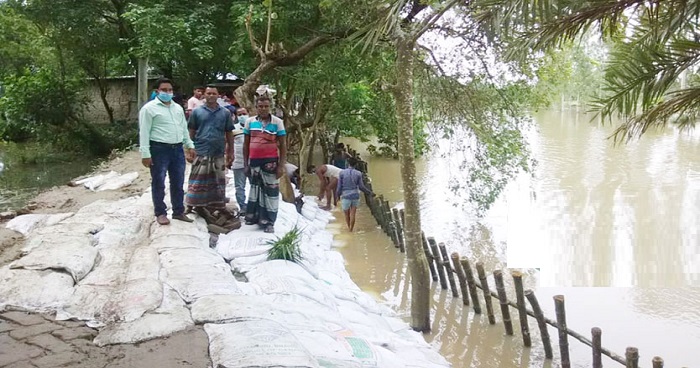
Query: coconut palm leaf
{"type": "Point", "coordinates": [653, 43]}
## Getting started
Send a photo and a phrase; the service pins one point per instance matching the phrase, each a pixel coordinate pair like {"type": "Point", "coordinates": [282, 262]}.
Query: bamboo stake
{"type": "Point", "coordinates": [487, 292]}
{"type": "Point", "coordinates": [461, 277]}
{"type": "Point", "coordinates": [522, 313]}
{"type": "Point", "coordinates": [431, 261]}
{"type": "Point", "coordinates": [399, 230]}
{"type": "Point", "coordinates": [403, 217]}
{"type": "Point", "coordinates": [438, 262]}
{"type": "Point", "coordinates": [561, 325]}
{"type": "Point", "coordinates": [503, 300]}
{"type": "Point", "coordinates": [472, 285]}
{"type": "Point", "coordinates": [449, 269]}
{"type": "Point", "coordinates": [596, 335]}
{"type": "Point", "coordinates": [539, 316]}
{"type": "Point", "coordinates": [632, 356]}
{"type": "Point", "coordinates": [394, 234]}
{"type": "Point", "coordinates": [657, 362]}
{"type": "Point", "coordinates": [610, 354]}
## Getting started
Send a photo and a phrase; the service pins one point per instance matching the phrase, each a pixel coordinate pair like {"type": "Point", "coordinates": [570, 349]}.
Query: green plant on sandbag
{"type": "Point", "coordinates": [287, 247]}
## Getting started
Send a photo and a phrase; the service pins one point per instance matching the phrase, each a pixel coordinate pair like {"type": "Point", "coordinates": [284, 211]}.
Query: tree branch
{"type": "Point", "coordinates": [432, 56]}
{"type": "Point", "coordinates": [303, 50]}
{"type": "Point", "coordinates": [427, 23]}
{"type": "Point", "coordinates": [253, 44]}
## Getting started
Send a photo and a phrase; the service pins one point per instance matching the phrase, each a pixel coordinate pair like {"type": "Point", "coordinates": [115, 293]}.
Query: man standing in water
{"type": "Point", "coordinates": [210, 126]}
{"type": "Point", "coordinates": [328, 182]}
{"type": "Point", "coordinates": [349, 186]}
{"type": "Point", "coordinates": [264, 155]}
{"type": "Point", "coordinates": [162, 135]}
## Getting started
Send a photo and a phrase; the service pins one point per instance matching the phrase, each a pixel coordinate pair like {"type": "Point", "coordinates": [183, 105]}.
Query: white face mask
{"type": "Point", "coordinates": [242, 119]}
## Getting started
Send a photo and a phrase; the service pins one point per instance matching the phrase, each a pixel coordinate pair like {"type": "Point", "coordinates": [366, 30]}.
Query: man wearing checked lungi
{"type": "Point", "coordinates": [210, 127]}
{"type": "Point", "coordinates": [264, 156]}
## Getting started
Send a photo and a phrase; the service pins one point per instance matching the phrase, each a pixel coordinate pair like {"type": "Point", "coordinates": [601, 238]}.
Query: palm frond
{"type": "Point", "coordinates": [681, 108]}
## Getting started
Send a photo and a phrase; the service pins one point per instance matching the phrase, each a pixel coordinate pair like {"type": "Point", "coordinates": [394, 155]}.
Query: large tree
{"type": "Point", "coordinates": [654, 45]}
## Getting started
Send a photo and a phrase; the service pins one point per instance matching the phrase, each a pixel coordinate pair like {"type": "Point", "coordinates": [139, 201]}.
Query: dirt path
{"type": "Point", "coordinates": [31, 340]}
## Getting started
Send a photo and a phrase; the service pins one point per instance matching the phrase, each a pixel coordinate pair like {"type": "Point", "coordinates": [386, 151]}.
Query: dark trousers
{"type": "Point", "coordinates": [170, 159]}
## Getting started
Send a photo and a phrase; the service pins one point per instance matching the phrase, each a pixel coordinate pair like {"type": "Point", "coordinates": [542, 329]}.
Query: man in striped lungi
{"type": "Point", "coordinates": [264, 156]}
{"type": "Point", "coordinates": [210, 126]}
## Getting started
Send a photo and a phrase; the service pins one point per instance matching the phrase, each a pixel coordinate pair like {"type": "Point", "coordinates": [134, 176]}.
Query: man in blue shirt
{"type": "Point", "coordinates": [349, 186]}
{"type": "Point", "coordinates": [210, 127]}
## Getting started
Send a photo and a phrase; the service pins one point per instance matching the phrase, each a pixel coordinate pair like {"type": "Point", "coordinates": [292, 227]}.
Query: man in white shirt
{"type": "Point", "coordinates": [196, 100]}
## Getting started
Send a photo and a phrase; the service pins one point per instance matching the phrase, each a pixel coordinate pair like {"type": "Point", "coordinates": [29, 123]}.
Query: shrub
{"type": "Point", "coordinates": [286, 247]}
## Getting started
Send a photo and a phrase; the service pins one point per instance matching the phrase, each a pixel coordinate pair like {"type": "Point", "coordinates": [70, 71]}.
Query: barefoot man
{"type": "Point", "coordinates": [328, 181]}
{"type": "Point", "coordinates": [210, 126]}
{"type": "Point", "coordinates": [349, 186]}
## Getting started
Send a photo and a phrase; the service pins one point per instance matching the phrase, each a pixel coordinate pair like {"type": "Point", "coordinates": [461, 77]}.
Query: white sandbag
{"type": "Point", "coordinates": [172, 316]}
{"type": "Point", "coordinates": [353, 313]}
{"type": "Point", "coordinates": [144, 264]}
{"type": "Point", "coordinates": [192, 283]}
{"type": "Point", "coordinates": [24, 224]}
{"type": "Point", "coordinates": [245, 264]}
{"type": "Point", "coordinates": [259, 343]}
{"type": "Point", "coordinates": [94, 182]}
{"type": "Point", "coordinates": [39, 291]}
{"type": "Point", "coordinates": [233, 308]}
{"type": "Point", "coordinates": [77, 258]}
{"type": "Point", "coordinates": [280, 268]}
{"type": "Point", "coordinates": [193, 257]}
{"type": "Point", "coordinates": [179, 241]}
{"type": "Point", "coordinates": [118, 182]}
{"type": "Point", "coordinates": [273, 284]}
{"type": "Point", "coordinates": [309, 212]}
{"type": "Point", "coordinates": [47, 241]}
{"type": "Point", "coordinates": [328, 351]}
{"type": "Point", "coordinates": [197, 229]}
{"type": "Point", "coordinates": [361, 349]}
{"type": "Point", "coordinates": [109, 304]}
{"type": "Point", "coordinates": [232, 246]}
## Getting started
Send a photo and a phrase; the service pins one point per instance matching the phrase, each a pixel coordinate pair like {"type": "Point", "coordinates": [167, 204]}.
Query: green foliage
{"type": "Point", "coordinates": [38, 104]}
{"type": "Point", "coordinates": [653, 43]}
{"type": "Point", "coordinates": [287, 247]}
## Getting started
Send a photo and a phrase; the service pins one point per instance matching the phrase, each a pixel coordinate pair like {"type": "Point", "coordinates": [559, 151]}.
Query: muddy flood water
{"type": "Point", "coordinates": [614, 229]}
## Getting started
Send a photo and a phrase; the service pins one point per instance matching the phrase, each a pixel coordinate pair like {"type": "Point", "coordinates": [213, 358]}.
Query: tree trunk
{"type": "Point", "coordinates": [417, 263]}
{"type": "Point", "coordinates": [245, 94]}
{"type": "Point", "coordinates": [103, 96]}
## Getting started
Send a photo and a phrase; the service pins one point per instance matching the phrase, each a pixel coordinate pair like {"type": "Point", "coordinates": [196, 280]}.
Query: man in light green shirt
{"type": "Point", "coordinates": [162, 135]}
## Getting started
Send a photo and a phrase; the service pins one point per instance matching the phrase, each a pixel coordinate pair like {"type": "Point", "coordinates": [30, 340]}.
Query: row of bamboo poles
{"type": "Point", "coordinates": [444, 267]}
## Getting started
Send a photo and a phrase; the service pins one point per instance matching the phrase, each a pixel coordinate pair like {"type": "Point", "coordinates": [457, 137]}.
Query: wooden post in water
{"type": "Point", "coordinates": [438, 262]}
{"type": "Point", "coordinates": [503, 301]}
{"type": "Point", "coordinates": [560, 311]}
{"type": "Point", "coordinates": [487, 292]}
{"type": "Point", "coordinates": [431, 261]}
{"type": "Point", "coordinates": [399, 230]}
{"type": "Point", "coordinates": [394, 234]}
{"type": "Point", "coordinates": [657, 362]}
{"type": "Point", "coordinates": [541, 323]}
{"type": "Point", "coordinates": [449, 270]}
{"type": "Point", "coordinates": [387, 214]}
{"type": "Point", "coordinates": [403, 217]}
{"type": "Point", "coordinates": [596, 336]}
{"type": "Point", "coordinates": [632, 357]}
{"type": "Point", "coordinates": [379, 211]}
{"type": "Point", "coordinates": [461, 277]}
{"type": "Point", "coordinates": [522, 310]}
{"type": "Point", "coordinates": [472, 285]}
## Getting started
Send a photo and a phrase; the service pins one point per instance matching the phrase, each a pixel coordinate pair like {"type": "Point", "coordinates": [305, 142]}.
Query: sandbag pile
{"type": "Point", "coordinates": [108, 181]}
{"type": "Point", "coordinates": [111, 266]}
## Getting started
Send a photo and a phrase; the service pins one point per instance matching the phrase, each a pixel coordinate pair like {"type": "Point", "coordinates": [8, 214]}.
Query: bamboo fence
{"type": "Point", "coordinates": [445, 267]}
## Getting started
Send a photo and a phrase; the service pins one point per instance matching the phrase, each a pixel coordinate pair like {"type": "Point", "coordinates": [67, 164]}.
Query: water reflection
{"type": "Point", "coordinates": [19, 182]}
{"type": "Point", "coordinates": [594, 215]}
